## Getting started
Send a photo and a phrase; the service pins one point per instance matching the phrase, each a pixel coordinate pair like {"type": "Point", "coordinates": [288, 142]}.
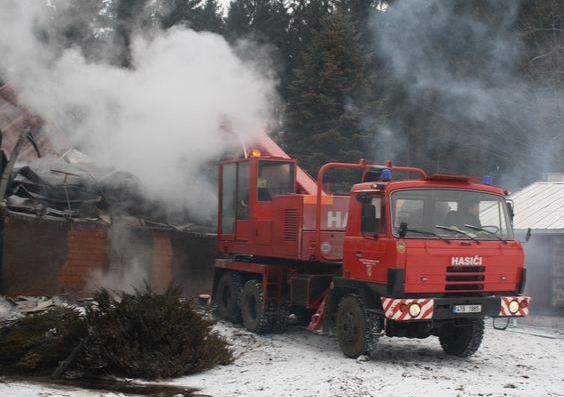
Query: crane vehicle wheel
{"type": "Point", "coordinates": [352, 326]}
{"type": "Point", "coordinates": [462, 339]}
{"type": "Point", "coordinates": [228, 300]}
{"type": "Point", "coordinates": [253, 310]}
{"type": "Point", "coordinates": [280, 313]}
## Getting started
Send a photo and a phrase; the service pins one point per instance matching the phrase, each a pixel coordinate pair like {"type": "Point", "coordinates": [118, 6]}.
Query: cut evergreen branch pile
{"type": "Point", "coordinates": [150, 336]}
{"type": "Point", "coordinates": [144, 335]}
{"type": "Point", "coordinates": [36, 344]}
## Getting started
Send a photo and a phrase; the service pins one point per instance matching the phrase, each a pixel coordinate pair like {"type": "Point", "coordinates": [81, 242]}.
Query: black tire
{"type": "Point", "coordinates": [462, 339]}
{"type": "Point", "coordinates": [228, 297]}
{"type": "Point", "coordinates": [279, 316]}
{"type": "Point", "coordinates": [255, 315]}
{"type": "Point", "coordinates": [352, 326]}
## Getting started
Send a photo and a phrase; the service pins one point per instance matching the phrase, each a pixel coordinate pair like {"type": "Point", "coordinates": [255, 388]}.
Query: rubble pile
{"type": "Point", "coordinates": [74, 187]}
{"type": "Point", "coordinates": [46, 176]}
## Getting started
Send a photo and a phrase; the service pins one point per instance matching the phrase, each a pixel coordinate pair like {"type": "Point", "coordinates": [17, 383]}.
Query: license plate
{"type": "Point", "coordinates": [467, 309]}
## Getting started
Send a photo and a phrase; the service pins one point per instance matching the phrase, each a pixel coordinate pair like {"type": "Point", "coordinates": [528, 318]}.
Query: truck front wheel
{"type": "Point", "coordinates": [254, 312]}
{"type": "Point", "coordinates": [228, 297]}
{"type": "Point", "coordinates": [462, 339]}
{"type": "Point", "coordinates": [352, 326]}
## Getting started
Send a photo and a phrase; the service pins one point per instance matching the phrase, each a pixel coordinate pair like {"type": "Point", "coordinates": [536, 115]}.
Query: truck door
{"type": "Point", "coordinates": [365, 247]}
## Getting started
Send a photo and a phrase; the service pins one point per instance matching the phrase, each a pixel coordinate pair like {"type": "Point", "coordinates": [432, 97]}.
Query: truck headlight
{"type": "Point", "coordinates": [514, 306]}
{"type": "Point", "coordinates": [414, 309]}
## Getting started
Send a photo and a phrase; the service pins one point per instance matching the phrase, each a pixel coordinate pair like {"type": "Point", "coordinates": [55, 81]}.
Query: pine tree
{"type": "Point", "coordinates": [75, 23]}
{"type": "Point", "coordinates": [239, 19]}
{"type": "Point", "coordinates": [328, 98]}
{"type": "Point", "coordinates": [179, 12]}
{"type": "Point", "coordinates": [210, 18]}
{"type": "Point", "coordinates": [264, 23]}
{"type": "Point", "coordinates": [305, 21]}
{"type": "Point", "coordinates": [130, 17]}
{"type": "Point", "coordinates": [541, 23]}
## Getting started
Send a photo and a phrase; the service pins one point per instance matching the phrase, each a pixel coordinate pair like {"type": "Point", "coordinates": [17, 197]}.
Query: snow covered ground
{"type": "Point", "coordinates": [518, 362]}
{"type": "Point", "coordinates": [19, 389]}
{"type": "Point", "coordinates": [521, 361]}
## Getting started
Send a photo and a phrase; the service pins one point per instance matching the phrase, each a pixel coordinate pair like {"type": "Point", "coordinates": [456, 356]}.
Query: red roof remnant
{"type": "Point", "coordinates": [14, 118]}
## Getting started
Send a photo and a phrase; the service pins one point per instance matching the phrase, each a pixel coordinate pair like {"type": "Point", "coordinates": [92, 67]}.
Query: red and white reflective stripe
{"type": "Point", "coordinates": [392, 308]}
{"type": "Point", "coordinates": [506, 300]}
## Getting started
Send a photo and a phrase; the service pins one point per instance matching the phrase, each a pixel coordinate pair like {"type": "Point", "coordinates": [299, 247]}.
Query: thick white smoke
{"type": "Point", "coordinates": [162, 120]}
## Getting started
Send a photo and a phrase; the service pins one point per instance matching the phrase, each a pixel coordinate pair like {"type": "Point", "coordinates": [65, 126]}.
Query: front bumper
{"type": "Point", "coordinates": [443, 308]}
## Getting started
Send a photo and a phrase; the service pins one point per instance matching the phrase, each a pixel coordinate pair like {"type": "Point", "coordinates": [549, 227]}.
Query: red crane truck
{"type": "Point", "coordinates": [402, 254]}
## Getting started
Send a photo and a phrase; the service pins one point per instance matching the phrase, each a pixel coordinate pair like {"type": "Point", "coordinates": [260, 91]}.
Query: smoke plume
{"type": "Point", "coordinates": [163, 119]}
{"type": "Point", "coordinates": [465, 93]}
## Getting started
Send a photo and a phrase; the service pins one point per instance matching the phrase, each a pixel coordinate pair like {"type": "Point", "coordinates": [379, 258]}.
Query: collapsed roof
{"type": "Point", "coordinates": [55, 179]}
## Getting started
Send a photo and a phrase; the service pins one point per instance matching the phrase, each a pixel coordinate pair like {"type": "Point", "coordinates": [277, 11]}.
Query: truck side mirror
{"type": "Point", "coordinates": [528, 235]}
{"type": "Point", "coordinates": [510, 210]}
{"type": "Point", "coordinates": [402, 229]}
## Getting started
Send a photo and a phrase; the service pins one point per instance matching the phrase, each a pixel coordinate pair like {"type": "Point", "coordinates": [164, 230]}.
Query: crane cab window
{"type": "Point", "coordinates": [234, 195]}
{"type": "Point", "coordinates": [243, 191]}
{"type": "Point", "coordinates": [228, 198]}
{"type": "Point", "coordinates": [274, 178]}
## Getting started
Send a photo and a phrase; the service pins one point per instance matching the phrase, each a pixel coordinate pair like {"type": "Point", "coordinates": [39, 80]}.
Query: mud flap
{"type": "Point", "coordinates": [316, 322]}
{"type": "Point", "coordinates": [499, 320]}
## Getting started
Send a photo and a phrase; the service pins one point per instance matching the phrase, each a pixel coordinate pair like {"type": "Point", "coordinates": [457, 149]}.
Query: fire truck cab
{"type": "Point", "coordinates": [402, 254]}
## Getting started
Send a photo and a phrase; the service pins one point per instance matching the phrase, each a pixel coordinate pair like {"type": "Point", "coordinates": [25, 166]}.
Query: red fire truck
{"type": "Point", "coordinates": [401, 254]}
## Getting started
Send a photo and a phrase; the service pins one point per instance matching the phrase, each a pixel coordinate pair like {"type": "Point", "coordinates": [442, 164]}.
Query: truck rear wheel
{"type": "Point", "coordinates": [279, 316]}
{"type": "Point", "coordinates": [462, 339]}
{"type": "Point", "coordinates": [352, 326]}
{"type": "Point", "coordinates": [255, 316]}
{"type": "Point", "coordinates": [228, 297]}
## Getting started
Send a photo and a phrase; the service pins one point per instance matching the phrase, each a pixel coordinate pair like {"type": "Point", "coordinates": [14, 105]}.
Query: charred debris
{"type": "Point", "coordinates": [40, 179]}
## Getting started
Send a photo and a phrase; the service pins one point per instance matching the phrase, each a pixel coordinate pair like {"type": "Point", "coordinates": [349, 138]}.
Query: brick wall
{"type": "Point", "coordinates": [87, 251]}
{"type": "Point", "coordinates": [52, 256]}
{"type": "Point", "coordinates": [33, 252]}
{"type": "Point", "coordinates": [161, 261]}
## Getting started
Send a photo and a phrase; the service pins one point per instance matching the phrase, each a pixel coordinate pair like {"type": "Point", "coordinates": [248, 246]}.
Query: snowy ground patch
{"type": "Point", "coordinates": [522, 361]}
{"type": "Point", "coordinates": [518, 362]}
{"type": "Point", "coordinates": [21, 389]}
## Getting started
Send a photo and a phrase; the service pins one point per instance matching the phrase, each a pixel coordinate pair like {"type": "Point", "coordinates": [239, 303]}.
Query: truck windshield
{"type": "Point", "coordinates": [452, 214]}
